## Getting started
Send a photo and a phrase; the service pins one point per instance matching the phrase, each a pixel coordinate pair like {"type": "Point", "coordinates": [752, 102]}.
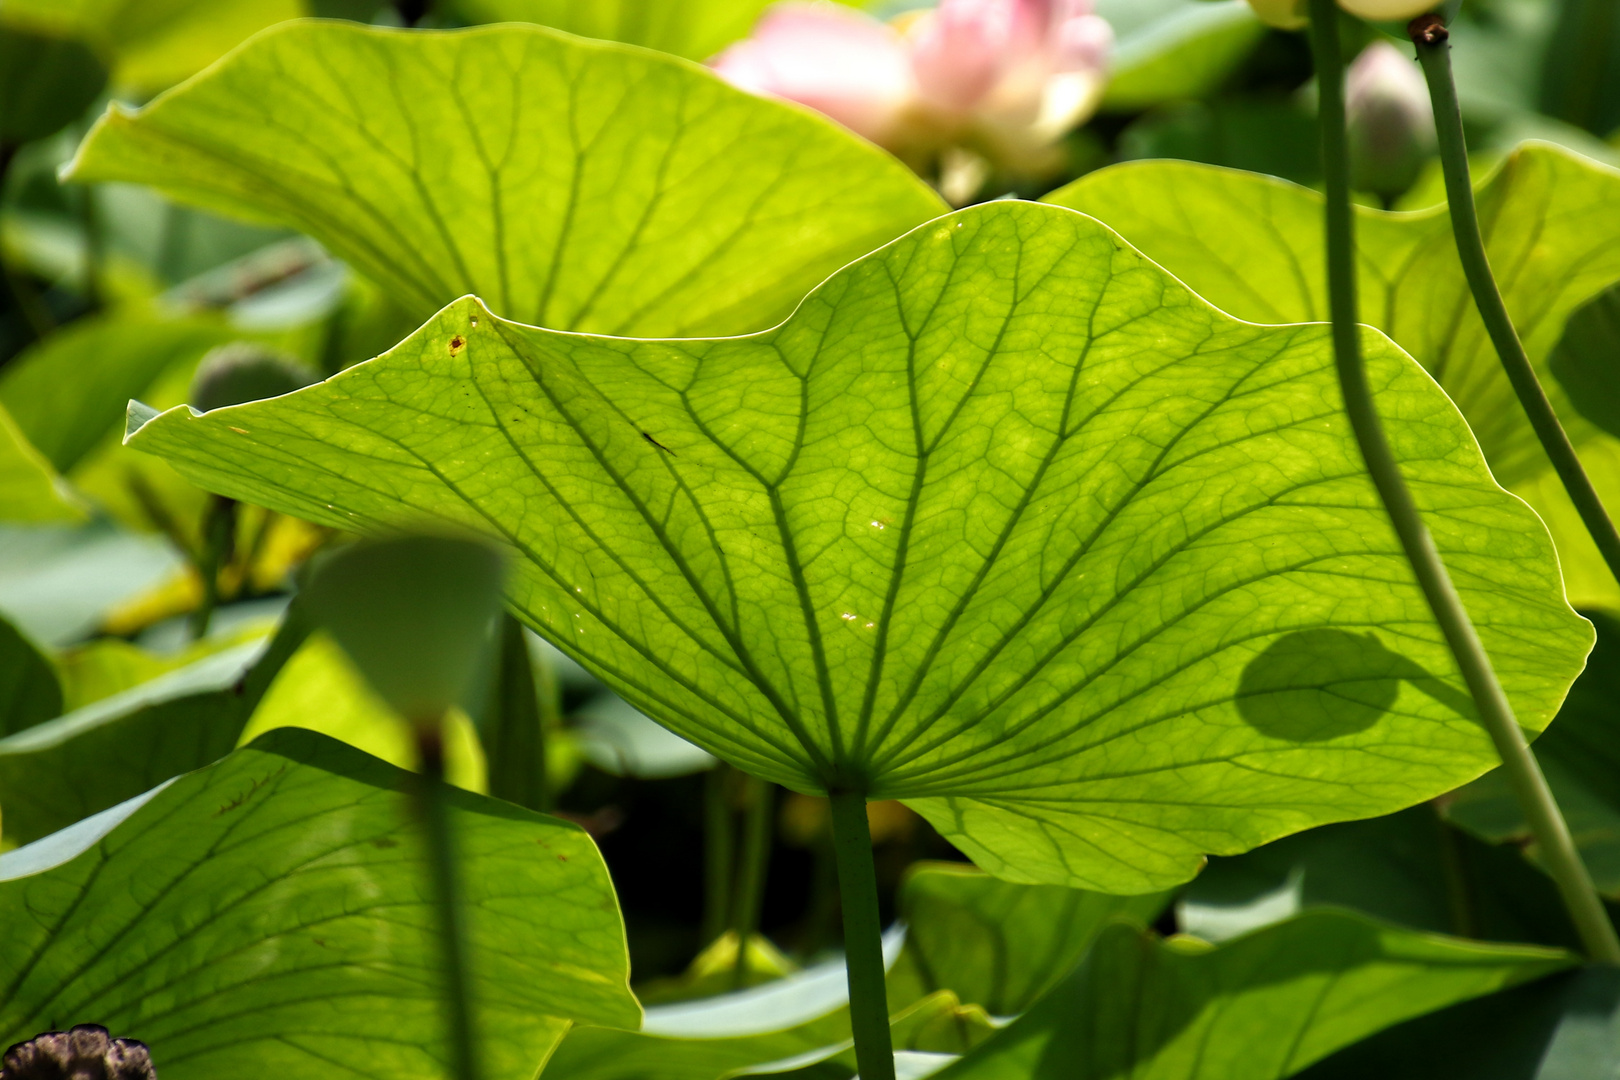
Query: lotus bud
{"type": "Point", "coordinates": [1390, 122]}
{"type": "Point", "coordinates": [1283, 14]}
{"type": "Point", "coordinates": [1003, 78]}
{"type": "Point", "coordinates": [1383, 10]}
{"type": "Point", "coordinates": [243, 371]}
{"type": "Point", "coordinates": [413, 613]}
{"type": "Point", "coordinates": [87, 1051]}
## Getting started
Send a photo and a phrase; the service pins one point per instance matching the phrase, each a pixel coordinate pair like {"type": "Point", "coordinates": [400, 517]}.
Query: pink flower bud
{"type": "Point", "coordinates": [1004, 78]}
{"type": "Point", "coordinates": [1390, 122]}
{"type": "Point", "coordinates": [833, 59]}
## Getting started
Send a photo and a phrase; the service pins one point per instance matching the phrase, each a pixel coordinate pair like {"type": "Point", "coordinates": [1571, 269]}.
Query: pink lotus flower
{"type": "Point", "coordinates": [1002, 78]}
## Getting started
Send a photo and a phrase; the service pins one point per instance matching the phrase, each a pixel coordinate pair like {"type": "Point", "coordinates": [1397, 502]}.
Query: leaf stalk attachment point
{"type": "Point", "coordinates": [1547, 824]}
{"type": "Point", "coordinates": [863, 936]}
{"type": "Point", "coordinates": [1429, 35]}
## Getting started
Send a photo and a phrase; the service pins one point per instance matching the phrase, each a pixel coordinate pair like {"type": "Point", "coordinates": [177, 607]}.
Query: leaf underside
{"type": "Point", "coordinates": [575, 184]}
{"type": "Point", "coordinates": [1252, 246]}
{"type": "Point", "coordinates": [269, 915]}
{"type": "Point", "coordinates": [1004, 522]}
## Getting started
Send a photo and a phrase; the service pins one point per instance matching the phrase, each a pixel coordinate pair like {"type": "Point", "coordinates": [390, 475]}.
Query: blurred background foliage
{"type": "Point", "coordinates": [122, 586]}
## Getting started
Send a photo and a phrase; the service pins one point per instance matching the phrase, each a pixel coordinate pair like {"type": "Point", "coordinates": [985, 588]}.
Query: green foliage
{"type": "Point", "coordinates": [266, 914]}
{"type": "Point", "coordinates": [1003, 522]}
{"type": "Point", "coordinates": [1184, 55]}
{"type": "Point", "coordinates": [1252, 246]}
{"type": "Point", "coordinates": [67, 393]}
{"type": "Point", "coordinates": [1261, 1007]}
{"type": "Point", "coordinates": [572, 184]}
{"type": "Point", "coordinates": [55, 773]}
{"type": "Point", "coordinates": [1581, 756]}
{"type": "Point", "coordinates": [45, 84]}
{"type": "Point", "coordinates": [695, 29]}
{"type": "Point", "coordinates": [995, 944]}
{"type": "Point", "coordinates": [151, 43]}
{"type": "Point", "coordinates": [30, 490]}
{"type": "Point", "coordinates": [30, 692]}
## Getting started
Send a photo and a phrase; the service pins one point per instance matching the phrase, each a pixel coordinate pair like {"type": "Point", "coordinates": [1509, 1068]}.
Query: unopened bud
{"type": "Point", "coordinates": [243, 371]}
{"type": "Point", "coordinates": [1283, 14]}
{"type": "Point", "coordinates": [1391, 125]}
{"type": "Point", "coordinates": [412, 612]}
{"type": "Point", "coordinates": [1384, 10]}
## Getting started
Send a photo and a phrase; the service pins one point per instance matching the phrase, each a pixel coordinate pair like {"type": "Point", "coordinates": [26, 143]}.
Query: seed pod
{"type": "Point", "coordinates": [88, 1052]}
{"type": "Point", "coordinates": [412, 612]}
{"type": "Point", "coordinates": [244, 371]}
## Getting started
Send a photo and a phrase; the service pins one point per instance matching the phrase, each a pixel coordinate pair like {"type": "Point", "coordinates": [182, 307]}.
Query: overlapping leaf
{"type": "Point", "coordinates": [695, 29]}
{"type": "Point", "coordinates": [269, 915]}
{"type": "Point", "coordinates": [574, 184]}
{"type": "Point", "coordinates": [1262, 1007]}
{"type": "Point", "coordinates": [1004, 522]}
{"type": "Point", "coordinates": [31, 492]}
{"type": "Point", "coordinates": [1252, 246]}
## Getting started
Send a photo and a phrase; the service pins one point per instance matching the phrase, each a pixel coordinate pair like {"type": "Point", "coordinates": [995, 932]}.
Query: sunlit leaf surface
{"type": "Point", "coordinates": [1261, 1007]}
{"type": "Point", "coordinates": [695, 29]}
{"type": "Point", "coordinates": [573, 184]}
{"type": "Point", "coordinates": [1252, 246]}
{"type": "Point", "coordinates": [269, 915]}
{"type": "Point", "coordinates": [1003, 522]}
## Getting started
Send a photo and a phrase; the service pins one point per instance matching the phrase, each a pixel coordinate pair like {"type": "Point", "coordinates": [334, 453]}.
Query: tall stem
{"type": "Point", "coordinates": [717, 853]}
{"type": "Point", "coordinates": [756, 858]}
{"type": "Point", "coordinates": [517, 744]}
{"type": "Point", "coordinates": [1434, 53]}
{"type": "Point", "coordinates": [1535, 798]}
{"type": "Point", "coordinates": [863, 936]}
{"type": "Point", "coordinates": [428, 795]}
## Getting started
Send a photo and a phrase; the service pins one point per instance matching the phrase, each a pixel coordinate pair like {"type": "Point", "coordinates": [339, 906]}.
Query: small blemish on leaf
{"type": "Point", "coordinates": [239, 431]}
{"type": "Point", "coordinates": [658, 444]}
{"type": "Point", "coordinates": [385, 842]}
{"type": "Point", "coordinates": [457, 343]}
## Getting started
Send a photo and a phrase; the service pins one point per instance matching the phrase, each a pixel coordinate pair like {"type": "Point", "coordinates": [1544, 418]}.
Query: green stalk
{"type": "Point", "coordinates": [428, 794]}
{"type": "Point", "coordinates": [517, 744]}
{"type": "Point", "coordinates": [218, 535]}
{"type": "Point", "coordinates": [717, 853]}
{"type": "Point", "coordinates": [1547, 824]}
{"type": "Point", "coordinates": [1434, 53]}
{"type": "Point", "coordinates": [756, 858]}
{"type": "Point", "coordinates": [863, 936]}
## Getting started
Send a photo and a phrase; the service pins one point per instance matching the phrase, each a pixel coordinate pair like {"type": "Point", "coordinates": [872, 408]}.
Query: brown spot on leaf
{"type": "Point", "coordinates": [457, 343]}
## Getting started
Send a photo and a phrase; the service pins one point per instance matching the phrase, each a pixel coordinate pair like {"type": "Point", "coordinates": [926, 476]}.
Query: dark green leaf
{"type": "Point", "coordinates": [1262, 1007]}
{"type": "Point", "coordinates": [61, 771]}
{"type": "Point", "coordinates": [45, 83]}
{"type": "Point", "coordinates": [268, 916]}
{"type": "Point", "coordinates": [29, 690]}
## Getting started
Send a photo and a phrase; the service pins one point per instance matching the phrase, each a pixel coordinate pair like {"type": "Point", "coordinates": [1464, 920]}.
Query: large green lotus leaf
{"type": "Point", "coordinates": [575, 184]}
{"type": "Point", "coordinates": [1261, 1007]}
{"type": "Point", "coordinates": [1564, 1027]}
{"type": "Point", "coordinates": [1004, 522]}
{"type": "Point", "coordinates": [68, 392]}
{"type": "Point", "coordinates": [30, 692]}
{"type": "Point", "coordinates": [31, 492]}
{"type": "Point", "coordinates": [997, 944]}
{"type": "Point", "coordinates": [1581, 757]}
{"type": "Point", "coordinates": [152, 43]}
{"type": "Point", "coordinates": [61, 771]}
{"type": "Point", "coordinates": [1252, 246]}
{"type": "Point", "coordinates": [269, 915]}
{"type": "Point", "coordinates": [695, 29]}
{"type": "Point", "coordinates": [1408, 868]}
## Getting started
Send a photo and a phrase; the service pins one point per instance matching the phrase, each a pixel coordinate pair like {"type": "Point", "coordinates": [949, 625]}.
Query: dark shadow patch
{"type": "Point", "coordinates": [1316, 685]}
